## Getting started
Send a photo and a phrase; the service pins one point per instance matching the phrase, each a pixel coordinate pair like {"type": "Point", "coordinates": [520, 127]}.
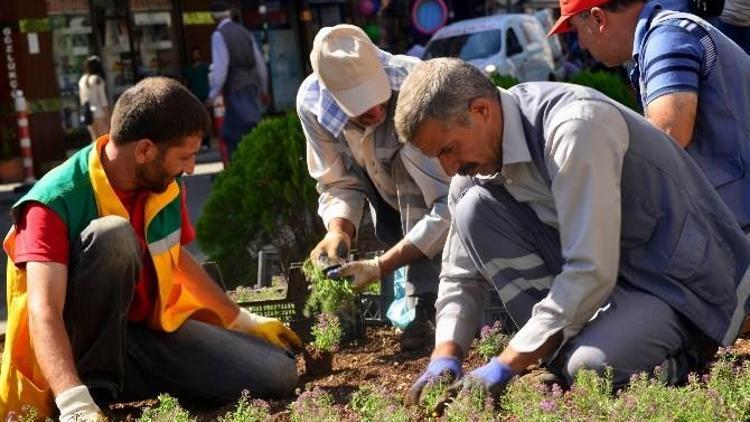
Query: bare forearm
{"type": "Point", "coordinates": [675, 114]}
{"type": "Point", "coordinates": [53, 351]}
{"type": "Point", "coordinates": [214, 297]}
{"type": "Point", "coordinates": [403, 253]}
{"type": "Point", "coordinates": [519, 361]}
{"type": "Point", "coordinates": [342, 225]}
{"type": "Point", "coordinates": [448, 349]}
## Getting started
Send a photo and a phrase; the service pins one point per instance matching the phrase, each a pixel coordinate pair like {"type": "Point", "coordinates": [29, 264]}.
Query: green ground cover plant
{"type": "Point", "coordinates": [326, 333]}
{"type": "Point", "coordinates": [314, 405]}
{"type": "Point", "coordinates": [722, 394]}
{"type": "Point", "coordinates": [491, 341]}
{"type": "Point", "coordinates": [471, 405]}
{"type": "Point", "coordinates": [248, 410]}
{"type": "Point", "coordinates": [374, 404]}
{"type": "Point", "coordinates": [28, 414]}
{"type": "Point", "coordinates": [168, 409]}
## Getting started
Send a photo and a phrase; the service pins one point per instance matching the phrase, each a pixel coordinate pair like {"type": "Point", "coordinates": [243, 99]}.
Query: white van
{"type": "Point", "coordinates": [545, 17]}
{"type": "Point", "coordinates": [515, 44]}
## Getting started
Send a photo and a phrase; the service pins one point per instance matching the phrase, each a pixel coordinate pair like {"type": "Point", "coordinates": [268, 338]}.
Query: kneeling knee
{"type": "Point", "coordinates": [116, 236]}
{"type": "Point", "coordinates": [588, 358]}
{"type": "Point", "coordinates": [285, 379]}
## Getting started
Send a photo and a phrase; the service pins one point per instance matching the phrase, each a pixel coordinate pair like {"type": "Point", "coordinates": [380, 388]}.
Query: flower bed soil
{"type": "Point", "coordinates": [376, 361]}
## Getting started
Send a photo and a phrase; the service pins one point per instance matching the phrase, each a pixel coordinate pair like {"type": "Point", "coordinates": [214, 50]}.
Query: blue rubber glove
{"type": "Point", "coordinates": [492, 377]}
{"type": "Point", "coordinates": [448, 367]}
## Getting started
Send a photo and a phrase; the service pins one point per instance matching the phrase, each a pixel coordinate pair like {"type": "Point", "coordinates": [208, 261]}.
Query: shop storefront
{"type": "Point", "coordinates": [133, 38]}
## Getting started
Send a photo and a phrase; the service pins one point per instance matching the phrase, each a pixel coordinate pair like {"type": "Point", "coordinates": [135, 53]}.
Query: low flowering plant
{"type": "Point", "coordinates": [327, 333]}
{"type": "Point", "coordinates": [492, 341]}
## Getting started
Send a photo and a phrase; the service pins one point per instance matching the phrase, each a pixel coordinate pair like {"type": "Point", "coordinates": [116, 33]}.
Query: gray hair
{"type": "Point", "coordinates": [439, 89]}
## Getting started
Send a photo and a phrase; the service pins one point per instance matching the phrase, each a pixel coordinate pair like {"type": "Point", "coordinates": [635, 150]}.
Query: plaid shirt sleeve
{"type": "Point", "coordinates": [341, 194]}
{"type": "Point", "coordinates": [428, 234]}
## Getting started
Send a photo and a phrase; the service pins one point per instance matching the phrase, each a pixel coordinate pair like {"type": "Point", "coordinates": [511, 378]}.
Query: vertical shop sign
{"type": "Point", "coordinates": [10, 59]}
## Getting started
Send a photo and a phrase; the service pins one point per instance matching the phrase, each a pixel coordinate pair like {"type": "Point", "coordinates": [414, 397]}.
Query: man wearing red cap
{"type": "Point", "coordinates": [692, 82]}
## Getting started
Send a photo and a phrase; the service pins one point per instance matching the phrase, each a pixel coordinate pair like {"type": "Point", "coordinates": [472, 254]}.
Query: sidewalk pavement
{"type": "Point", "coordinates": [198, 186]}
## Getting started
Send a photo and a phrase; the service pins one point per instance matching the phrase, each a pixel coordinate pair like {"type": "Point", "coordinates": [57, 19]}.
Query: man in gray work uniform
{"type": "Point", "coordinates": [605, 243]}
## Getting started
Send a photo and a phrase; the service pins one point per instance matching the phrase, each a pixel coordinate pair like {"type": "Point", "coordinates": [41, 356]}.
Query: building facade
{"type": "Point", "coordinates": [46, 43]}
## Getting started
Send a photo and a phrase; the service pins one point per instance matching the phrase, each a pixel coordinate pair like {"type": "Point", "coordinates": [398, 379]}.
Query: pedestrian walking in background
{"type": "Point", "coordinates": [93, 97]}
{"type": "Point", "coordinates": [238, 72]}
{"type": "Point", "coordinates": [196, 79]}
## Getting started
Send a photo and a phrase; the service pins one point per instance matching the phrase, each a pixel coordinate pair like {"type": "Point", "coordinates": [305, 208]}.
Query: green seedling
{"type": "Point", "coordinates": [168, 410]}
{"type": "Point", "coordinates": [492, 341]}
{"type": "Point", "coordinates": [248, 410]}
{"type": "Point", "coordinates": [373, 404]}
{"type": "Point", "coordinates": [327, 333]}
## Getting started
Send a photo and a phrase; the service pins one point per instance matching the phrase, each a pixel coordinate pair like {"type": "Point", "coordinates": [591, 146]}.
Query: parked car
{"type": "Point", "coordinates": [544, 16]}
{"type": "Point", "coordinates": [515, 44]}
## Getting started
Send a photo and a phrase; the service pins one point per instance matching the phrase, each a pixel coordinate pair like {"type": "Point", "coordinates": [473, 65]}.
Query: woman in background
{"type": "Point", "coordinates": [91, 88]}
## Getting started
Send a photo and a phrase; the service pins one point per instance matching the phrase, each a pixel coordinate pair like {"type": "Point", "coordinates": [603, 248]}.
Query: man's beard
{"type": "Point", "coordinates": [152, 177]}
{"type": "Point", "coordinates": [468, 169]}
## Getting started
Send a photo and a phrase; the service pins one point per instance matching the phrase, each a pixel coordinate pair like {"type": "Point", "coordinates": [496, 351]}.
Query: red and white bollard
{"type": "Point", "coordinates": [218, 123]}
{"type": "Point", "coordinates": [24, 139]}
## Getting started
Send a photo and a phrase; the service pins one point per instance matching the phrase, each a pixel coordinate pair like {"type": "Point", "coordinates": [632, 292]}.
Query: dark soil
{"type": "Point", "coordinates": [375, 361]}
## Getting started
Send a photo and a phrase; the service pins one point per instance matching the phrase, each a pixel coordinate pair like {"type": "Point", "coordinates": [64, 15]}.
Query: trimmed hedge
{"type": "Point", "coordinates": [264, 197]}
{"type": "Point", "coordinates": [607, 83]}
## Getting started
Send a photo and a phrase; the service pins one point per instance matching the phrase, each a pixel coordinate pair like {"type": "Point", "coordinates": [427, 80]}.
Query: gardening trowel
{"type": "Point", "coordinates": [330, 267]}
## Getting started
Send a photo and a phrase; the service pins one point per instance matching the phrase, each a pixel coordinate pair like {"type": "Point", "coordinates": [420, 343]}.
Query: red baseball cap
{"type": "Point", "coordinates": [570, 8]}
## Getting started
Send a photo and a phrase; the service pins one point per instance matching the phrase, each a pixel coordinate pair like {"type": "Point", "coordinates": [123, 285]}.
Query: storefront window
{"type": "Point", "coordinates": [72, 40]}
{"type": "Point", "coordinates": [280, 45]}
{"type": "Point", "coordinates": [154, 36]}
{"type": "Point", "coordinates": [113, 33]}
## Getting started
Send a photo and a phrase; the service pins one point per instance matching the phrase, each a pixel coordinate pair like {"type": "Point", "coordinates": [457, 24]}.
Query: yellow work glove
{"type": "Point", "coordinates": [332, 250]}
{"type": "Point", "coordinates": [269, 329]}
{"type": "Point", "coordinates": [363, 273]}
{"type": "Point", "coordinates": [76, 404]}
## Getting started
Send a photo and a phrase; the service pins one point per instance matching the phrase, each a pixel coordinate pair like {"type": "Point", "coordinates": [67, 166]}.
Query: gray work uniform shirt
{"type": "Point", "coordinates": [583, 203]}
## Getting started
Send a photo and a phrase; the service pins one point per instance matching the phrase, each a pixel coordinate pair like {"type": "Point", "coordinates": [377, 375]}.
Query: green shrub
{"type": "Point", "coordinates": [723, 395]}
{"type": "Point", "coordinates": [265, 197]}
{"type": "Point", "coordinates": [605, 82]}
{"type": "Point", "coordinates": [608, 84]}
{"type": "Point", "coordinates": [504, 81]}
{"type": "Point", "coordinates": [167, 410]}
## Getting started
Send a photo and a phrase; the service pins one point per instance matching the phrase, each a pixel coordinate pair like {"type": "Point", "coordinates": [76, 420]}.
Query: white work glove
{"type": "Point", "coordinates": [76, 405]}
{"type": "Point", "coordinates": [269, 329]}
{"type": "Point", "coordinates": [332, 250]}
{"type": "Point", "coordinates": [363, 273]}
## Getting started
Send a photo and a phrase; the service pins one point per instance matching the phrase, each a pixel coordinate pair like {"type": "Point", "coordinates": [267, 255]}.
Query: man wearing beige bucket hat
{"type": "Point", "coordinates": [346, 107]}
